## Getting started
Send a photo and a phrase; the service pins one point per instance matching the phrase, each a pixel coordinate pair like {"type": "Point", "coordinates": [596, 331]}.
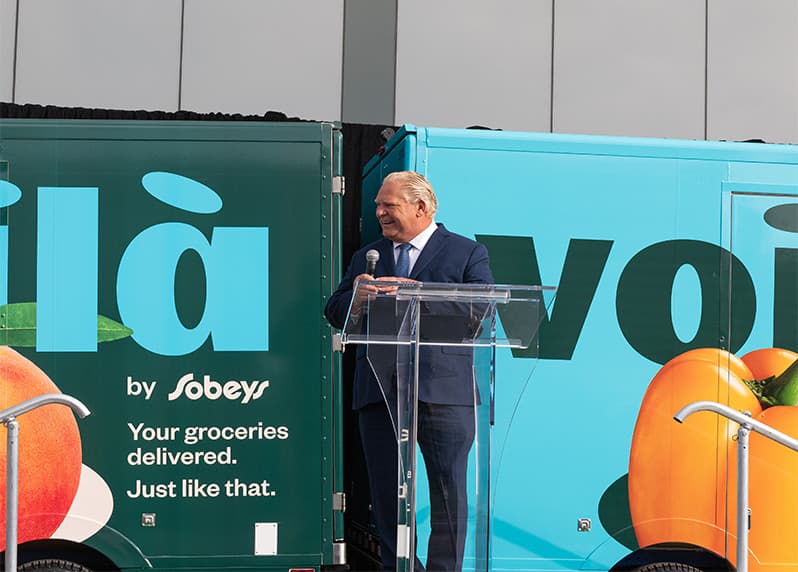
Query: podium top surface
{"type": "Point", "coordinates": [445, 314]}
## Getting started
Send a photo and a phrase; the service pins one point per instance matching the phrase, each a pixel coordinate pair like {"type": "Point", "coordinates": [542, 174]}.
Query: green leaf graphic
{"type": "Point", "coordinates": [615, 515]}
{"type": "Point", "coordinates": [18, 326]}
{"type": "Point", "coordinates": [109, 330]}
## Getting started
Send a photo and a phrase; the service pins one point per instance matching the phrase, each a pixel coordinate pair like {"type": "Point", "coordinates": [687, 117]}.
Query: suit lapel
{"type": "Point", "coordinates": [431, 250]}
{"type": "Point", "coordinates": [385, 266]}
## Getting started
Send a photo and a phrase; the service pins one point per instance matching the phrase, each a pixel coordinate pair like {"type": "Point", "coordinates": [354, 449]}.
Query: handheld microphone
{"type": "Point", "coordinates": [372, 256]}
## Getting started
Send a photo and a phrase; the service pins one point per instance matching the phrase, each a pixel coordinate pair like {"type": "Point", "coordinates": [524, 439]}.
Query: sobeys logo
{"type": "Point", "coordinates": [235, 261]}
{"type": "Point", "coordinates": [233, 390]}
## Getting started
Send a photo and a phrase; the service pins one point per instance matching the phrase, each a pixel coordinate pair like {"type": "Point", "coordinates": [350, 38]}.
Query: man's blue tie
{"type": "Point", "coordinates": [403, 260]}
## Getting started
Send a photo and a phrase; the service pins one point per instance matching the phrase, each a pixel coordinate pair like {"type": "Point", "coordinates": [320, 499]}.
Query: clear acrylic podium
{"type": "Point", "coordinates": [416, 333]}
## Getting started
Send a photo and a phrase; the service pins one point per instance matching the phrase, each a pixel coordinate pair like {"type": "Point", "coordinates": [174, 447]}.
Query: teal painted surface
{"type": "Point", "coordinates": [211, 415]}
{"type": "Point", "coordinates": [595, 209]}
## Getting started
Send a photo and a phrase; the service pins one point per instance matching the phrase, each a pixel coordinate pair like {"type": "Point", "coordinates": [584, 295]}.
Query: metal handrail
{"type": "Point", "coordinates": [746, 426]}
{"type": "Point", "coordinates": [8, 417]}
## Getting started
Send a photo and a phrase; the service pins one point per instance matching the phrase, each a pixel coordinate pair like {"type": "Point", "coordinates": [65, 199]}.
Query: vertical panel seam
{"type": "Point", "coordinates": [16, 48]}
{"type": "Point", "coordinates": [343, 60]}
{"type": "Point", "coordinates": [395, 56]}
{"type": "Point", "coordinates": [706, 69]}
{"type": "Point", "coordinates": [551, 74]}
{"type": "Point", "coordinates": [180, 61]}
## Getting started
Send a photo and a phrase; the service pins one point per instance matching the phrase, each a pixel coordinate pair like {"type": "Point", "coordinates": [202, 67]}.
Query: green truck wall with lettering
{"type": "Point", "coordinates": [172, 276]}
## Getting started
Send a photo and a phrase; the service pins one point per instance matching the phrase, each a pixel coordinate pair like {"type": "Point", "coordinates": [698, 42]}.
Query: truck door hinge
{"type": "Point", "coordinates": [338, 186]}
{"type": "Point", "coordinates": [337, 346]}
{"type": "Point", "coordinates": [339, 502]}
{"type": "Point", "coordinates": [339, 553]}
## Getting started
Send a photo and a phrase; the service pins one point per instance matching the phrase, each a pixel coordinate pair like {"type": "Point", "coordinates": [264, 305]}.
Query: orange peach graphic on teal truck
{"type": "Point", "coordinates": [683, 478]}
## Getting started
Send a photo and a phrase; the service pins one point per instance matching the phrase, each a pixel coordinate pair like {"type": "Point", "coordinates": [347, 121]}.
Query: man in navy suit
{"type": "Point", "coordinates": [405, 209]}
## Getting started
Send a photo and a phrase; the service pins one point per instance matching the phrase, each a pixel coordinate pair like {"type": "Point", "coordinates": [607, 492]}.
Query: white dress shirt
{"type": "Point", "coordinates": [417, 245]}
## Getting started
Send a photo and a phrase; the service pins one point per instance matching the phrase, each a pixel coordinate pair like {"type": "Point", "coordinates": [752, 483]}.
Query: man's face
{"type": "Point", "coordinates": [400, 220]}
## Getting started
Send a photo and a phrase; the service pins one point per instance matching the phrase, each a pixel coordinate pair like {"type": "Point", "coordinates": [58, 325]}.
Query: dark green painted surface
{"type": "Point", "coordinates": [278, 176]}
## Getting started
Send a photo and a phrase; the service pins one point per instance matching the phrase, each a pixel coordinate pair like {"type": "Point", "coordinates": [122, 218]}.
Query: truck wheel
{"type": "Point", "coordinates": [52, 565]}
{"type": "Point", "coordinates": [666, 567]}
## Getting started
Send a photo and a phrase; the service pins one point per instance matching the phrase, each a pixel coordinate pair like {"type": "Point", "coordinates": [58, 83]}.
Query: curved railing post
{"type": "Point", "coordinates": [8, 417]}
{"type": "Point", "coordinates": [746, 426]}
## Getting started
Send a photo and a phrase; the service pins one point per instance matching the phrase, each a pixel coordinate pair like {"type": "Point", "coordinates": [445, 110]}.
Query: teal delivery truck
{"type": "Point", "coordinates": [676, 266]}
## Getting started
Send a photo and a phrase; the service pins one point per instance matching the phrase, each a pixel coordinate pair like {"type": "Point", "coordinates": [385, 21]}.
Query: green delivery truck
{"type": "Point", "coordinates": [171, 276]}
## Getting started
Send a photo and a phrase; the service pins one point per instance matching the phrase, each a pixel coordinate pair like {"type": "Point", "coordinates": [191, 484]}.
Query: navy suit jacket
{"type": "Point", "coordinates": [445, 375]}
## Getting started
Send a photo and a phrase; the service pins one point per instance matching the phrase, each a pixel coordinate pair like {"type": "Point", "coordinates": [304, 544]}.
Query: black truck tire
{"type": "Point", "coordinates": [667, 567]}
{"type": "Point", "coordinates": [52, 565]}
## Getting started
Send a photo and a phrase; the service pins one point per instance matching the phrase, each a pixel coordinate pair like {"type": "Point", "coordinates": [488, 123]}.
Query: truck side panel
{"type": "Point", "coordinates": [211, 383]}
{"type": "Point", "coordinates": [657, 247]}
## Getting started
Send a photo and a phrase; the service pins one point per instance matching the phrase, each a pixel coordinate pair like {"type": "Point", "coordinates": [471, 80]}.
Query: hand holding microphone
{"type": "Point", "coordinates": [372, 256]}
{"type": "Point", "coordinates": [363, 291]}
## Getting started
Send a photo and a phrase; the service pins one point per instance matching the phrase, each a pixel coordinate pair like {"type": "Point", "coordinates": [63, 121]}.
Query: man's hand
{"type": "Point", "coordinates": [363, 291]}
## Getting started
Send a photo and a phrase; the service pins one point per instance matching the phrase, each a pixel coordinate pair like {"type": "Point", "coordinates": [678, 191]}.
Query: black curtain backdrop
{"type": "Point", "coordinates": [360, 143]}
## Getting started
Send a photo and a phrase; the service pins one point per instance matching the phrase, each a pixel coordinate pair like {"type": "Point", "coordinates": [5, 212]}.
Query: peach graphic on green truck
{"type": "Point", "coordinates": [50, 454]}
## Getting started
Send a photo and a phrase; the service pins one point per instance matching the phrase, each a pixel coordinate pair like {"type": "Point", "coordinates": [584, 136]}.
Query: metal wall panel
{"type": "Point", "coordinates": [661, 68]}
{"type": "Point", "coordinates": [8, 16]}
{"type": "Point", "coordinates": [253, 56]}
{"type": "Point", "coordinates": [469, 63]}
{"type": "Point", "coordinates": [369, 56]}
{"type": "Point", "coordinates": [752, 90]}
{"type": "Point", "coordinates": [629, 68]}
{"type": "Point", "coordinates": [99, 53]}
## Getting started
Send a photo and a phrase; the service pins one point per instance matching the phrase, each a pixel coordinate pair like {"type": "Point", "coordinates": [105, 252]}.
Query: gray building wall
{"type": "Point", "coordinates": [694, 69]}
